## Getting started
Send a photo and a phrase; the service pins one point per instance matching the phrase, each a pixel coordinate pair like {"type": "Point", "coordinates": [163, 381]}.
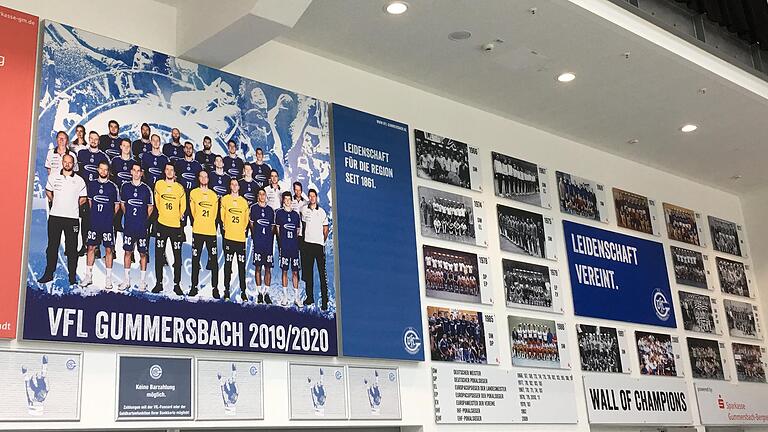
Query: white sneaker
{"type": "Point", "coordinates": [87, 280]}
{"type": "Point", "coordinates": [143, 286]}
{"type": "Point", "coordinates": [124, 286]}
{"type": "Point", "coordinates": [108, 284]}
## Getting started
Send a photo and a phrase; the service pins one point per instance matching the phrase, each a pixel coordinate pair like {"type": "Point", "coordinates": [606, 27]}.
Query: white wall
{"type": "Point", "coordinates": [292, 68]}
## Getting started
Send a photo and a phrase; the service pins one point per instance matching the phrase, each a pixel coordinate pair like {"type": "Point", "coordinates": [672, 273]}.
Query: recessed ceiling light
{"type": "Point", "coordinates": [396, 7]}
{"type": "Point", "coordinates": [459, 35]}
{"type": "Point", "coordinates": [566, 77]}
{"type": "Point", "coordinates": [689, 128]}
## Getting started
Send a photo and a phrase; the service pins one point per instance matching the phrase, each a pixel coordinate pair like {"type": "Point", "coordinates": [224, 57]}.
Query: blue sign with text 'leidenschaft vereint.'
{"type": "Point", "coordinates": [618, 277]}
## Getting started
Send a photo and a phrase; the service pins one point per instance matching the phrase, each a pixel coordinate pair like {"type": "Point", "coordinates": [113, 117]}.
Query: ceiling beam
{"type": "Point", "coordinates": [237, 28]}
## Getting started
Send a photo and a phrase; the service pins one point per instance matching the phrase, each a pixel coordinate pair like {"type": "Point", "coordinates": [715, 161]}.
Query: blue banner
{"type": "Point", "coordinates": [618, 277]}
{"type": "Point", "coordinates": [378, 274]}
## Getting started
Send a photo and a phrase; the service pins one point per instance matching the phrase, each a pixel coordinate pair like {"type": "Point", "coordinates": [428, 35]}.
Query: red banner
{"type": "Point", "coordinates": [18, 56]}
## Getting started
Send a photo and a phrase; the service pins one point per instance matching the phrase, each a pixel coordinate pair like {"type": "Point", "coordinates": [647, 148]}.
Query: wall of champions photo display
{"type": "Point", "coordinates": [183, 190]}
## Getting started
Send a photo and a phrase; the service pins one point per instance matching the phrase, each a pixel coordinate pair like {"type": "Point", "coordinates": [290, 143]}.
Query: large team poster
{"type": "Point", "coordinates": [18, 56]}
{"type": "Point", "coordinates": [88, 79]}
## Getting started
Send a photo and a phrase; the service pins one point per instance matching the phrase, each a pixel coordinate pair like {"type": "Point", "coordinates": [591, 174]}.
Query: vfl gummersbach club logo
{"type": "Point", "coordinates": [155, 372]}
{"type": "Point", "coordinates": [661, 305]}
{"type": "Point", "coordinates": [411, 341]}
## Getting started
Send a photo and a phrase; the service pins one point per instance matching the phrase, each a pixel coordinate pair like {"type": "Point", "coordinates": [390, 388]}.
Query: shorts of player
{"type": "Point", "coordinates": [232, 247]}
{"type": "Point", "coordinates": [138, 241]}
{"type": "Point", "coordinates": [96, 238]}
{"type": "Point", "coordinates": [290, 260]}
{"type": "Point", "coordinates": [263, 258]}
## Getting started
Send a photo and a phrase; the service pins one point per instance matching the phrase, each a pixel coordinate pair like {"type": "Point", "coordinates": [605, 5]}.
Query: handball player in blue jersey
{"type": "Point", "coordinates": [233, 165]}
{"type": "Point", "coordinates": [153, 162]}
{"type": "Point", "coordinates": [218, 178]}
{"type": "Point", "coordinates": [137, 204]}
{"type": "Point", "coordinates": [142, 145]}
{"type": "Point", "coordinates": [89, 171]}
{"type": "Point", "coordinates": [263, 237]}
{"type": "Point", "coordinates": [206, 156]}
{"type": "Point", "coordinates": [174, 149]}
{"type": "Point", "coordinates": [187, 169]}
{"type": "Point", "coordinates": [120, 166]}
{"type": "Point", "coordinates": [260, 169]}
{"type": "Point", "coordinates": [288, 224]}
{"type": "Point", "coordinates": [104, 201]}
{"type": "Point", "coordinates": [120, 169]}
{"type": "Point", "coordinates": [110, 143]}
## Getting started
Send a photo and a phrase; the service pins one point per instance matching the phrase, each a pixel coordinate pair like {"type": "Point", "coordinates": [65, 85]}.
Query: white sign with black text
{"type": "Point", "coordinates": [475, 394]}
{"type": "Point", "coordinates": [617, 399]}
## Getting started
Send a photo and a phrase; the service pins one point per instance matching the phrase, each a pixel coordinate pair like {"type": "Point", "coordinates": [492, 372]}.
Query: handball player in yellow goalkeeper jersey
{"type": "Point", "coordinates": [235, 217]}
{"type": "Point", "coordinates": [204, 208]}
{"type": "Point", "coordinates": [171, 204]}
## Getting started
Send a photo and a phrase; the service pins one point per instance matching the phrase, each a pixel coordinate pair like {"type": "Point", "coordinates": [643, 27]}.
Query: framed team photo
{"type": "Point", "coordinates": [174, 202]}
{"type": "Point", "coordinates": [707, 359]}
{"type": "Point", "coordinates": [526, 233]}
{"type": "Point", "coordinates": [455, 275]}
{"type": "Point", "coordinates": [636, 212]}
{"type": "Point", "coordinates": [683, 225]}
{"type": "Point", "coordinates": [520, 180]}
{"type": "Point", "coordinates": [602, 349]}
{"type": "Point", "coordinates": [699, 313]}
{"type": "Point", "coordinates": [538, 343]}
{"type": "Point", "coordinates": [452, 217]}
{"type": "Point", "coordinates": [750, 362]}
{"type": "Point", "coordinates": [727, 237]}
{"type": "Point", "coordinates": [531, 286]}
{"type": "Point", "coordinates": [691, 268]}
{"type": "Point", "coordinates": [743, 319]}
{"type": "Point", "coordinates": [581, 197]}
{"type": "Point", "coordinates": [733, 277]}
{"type": "Point", "coordinates": [658, 354]}
{"type": "Point", "coordinates": [462, 336]}
{"type": "Point", "coordinates": [447, 161]}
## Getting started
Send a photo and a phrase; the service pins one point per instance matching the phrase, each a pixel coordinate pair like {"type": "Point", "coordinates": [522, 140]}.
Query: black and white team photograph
{"type": "Point", "coordinates": [533, 342]}
{"type": "Point", "coordinates": [741, 319]}
{"type": "Point", "coordinates": [681, 224]}
{"type": "Point", "coordinates": [725, 236]}
{"type": "Point", "coordinates": [527, 285]}
{"type": "Point", "coordinates": [447, 216]}
{"type": "Point", "coordinates": [697, 312]}
{"type": "Point", "coordinates": [446, 161]}
{"type": "Point", "coordinates": [522, 232]}
{"type": "Point", "coordinates": [599, 348]}
{"type": "Point", "coordinates": [689, 267]}
{"type": "Point", "coordinates": [706, 362]}
{"type": "Point", "coordinates": [581, 197]}
{"type": "Point", "coordinates": [633, 211]}
{"type": "Point", "coordinates": [656, 354]}
{"type": "Point", "coordinates": [518, 180]}
{"type": "Point", "coordinates": [733, 277]}
{"type": "Point", "coordinates": [456, 335]}
{"type": "Point", "coordinates": [749, 362]}
{"type": "Point", "coordinates": [451, 275]}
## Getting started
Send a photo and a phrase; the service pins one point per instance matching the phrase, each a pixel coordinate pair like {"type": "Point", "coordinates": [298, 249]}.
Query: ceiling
{"type": "Point", "coordinates": [613, 99]}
